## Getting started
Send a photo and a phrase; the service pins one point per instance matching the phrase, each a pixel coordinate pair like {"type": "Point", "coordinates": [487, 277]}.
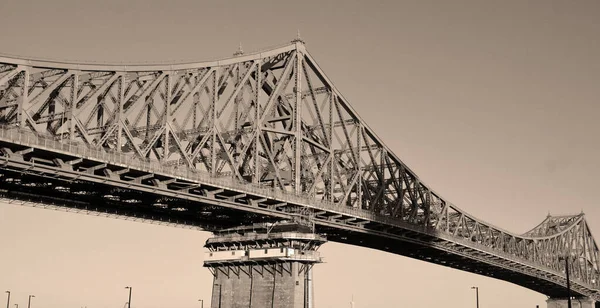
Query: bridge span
{"type": "Point", "coordinates": [256, 138]}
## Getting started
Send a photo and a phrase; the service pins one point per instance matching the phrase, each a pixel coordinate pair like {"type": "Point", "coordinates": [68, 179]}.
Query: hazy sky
{"type": "Point", "coordinates": [494, 105]}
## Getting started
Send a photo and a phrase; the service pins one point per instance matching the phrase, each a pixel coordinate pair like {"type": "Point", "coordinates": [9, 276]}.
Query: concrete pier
{"type": "Point", "coordinates": [263, 266]}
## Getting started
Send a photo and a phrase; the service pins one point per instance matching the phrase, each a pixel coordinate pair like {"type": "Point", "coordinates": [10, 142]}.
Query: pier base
{"type": "Point", "coordinates": [263, 266]}
{"type": "Point", "coordinates": [582, 302]}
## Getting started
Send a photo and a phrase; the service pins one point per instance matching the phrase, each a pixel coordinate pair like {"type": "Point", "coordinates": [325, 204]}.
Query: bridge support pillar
{"type": "Point", "coordinates": [578, 302]}
{"type": "Point", "coordinates": [263, 266]}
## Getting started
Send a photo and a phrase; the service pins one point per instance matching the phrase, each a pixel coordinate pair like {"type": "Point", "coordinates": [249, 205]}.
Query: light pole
{"type": "Point", "coordinates": [129, 302]}
{"type": "Point", "coordinates": [8, 300]}
{"type": "Point", "coordinates": [29, 302]}
{"type": "Point", "coordinates": [201, 303]}
{"type": "Point", "coordinates": [566, 258]}
{"type": "Point", "coordinates": [476, 295]}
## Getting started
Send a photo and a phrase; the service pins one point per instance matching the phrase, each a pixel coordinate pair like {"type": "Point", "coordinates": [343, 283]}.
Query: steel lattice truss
{"type": "Point", "coordinates": [266, 119]}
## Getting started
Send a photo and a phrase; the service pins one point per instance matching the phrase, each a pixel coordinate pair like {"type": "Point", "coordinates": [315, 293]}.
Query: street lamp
{"type": "Point", "coordinates": [476, 295]}
{"type": "Point", "coordinates": [29, 302]}
{"type": "Point", "coordinates": [129, 302]}
{"type": "Point", "coordinates": [566, 259]}
{"type": "Point", "coordinates": [8, 300]}
{"type": "Point", "coordinates": [201, 303]}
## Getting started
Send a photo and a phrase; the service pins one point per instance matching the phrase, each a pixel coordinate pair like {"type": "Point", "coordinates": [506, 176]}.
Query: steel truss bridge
{"type": "Point", "coordinates": [253, 138]}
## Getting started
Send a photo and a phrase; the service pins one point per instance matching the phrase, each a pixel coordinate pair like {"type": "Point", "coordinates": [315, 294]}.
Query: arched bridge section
{"type": "Point", "coordinates": [252, 138]}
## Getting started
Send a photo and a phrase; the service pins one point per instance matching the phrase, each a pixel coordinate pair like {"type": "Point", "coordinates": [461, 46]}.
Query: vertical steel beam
{"type": "Point", "coordinates": [24, 101]}
{"type": "Point", "coordinates": [53, 93]}
{"type": "Point", "coordinates": [298, 121]}
{"type": "Point", "coordinates": [213, 112]}
{"type": "Point", "coordinates": [236, 128]}
{"type": "Point", "coordinates": [382, 164]}
{"type": "Point", "coordinates": [447, 218]}
{"type": "Point", "coordinates": [120, 102]}
{"type": "Point", "coordinates": [257, 133]}
{"type": "Point", "coordinates": [237, 100]}
{"type": "Point", "coordinates": [149, 102]}
{"type": "Point", "coordinates": [577, 238]}
{"type": "Point", "coordinates": [73, 103]}
{"type": "Point", "coordinates": [586, 256]}
{"type": "Point", "coordinates": [331, 149]}
{"type": "Point", "coordinates": [359, 165]}
{"type": "Point", "coordinates": [196, 97]}
{"type": "Point", "coordinates": [594, 253]}
{"type": "Point", "coordinates": [167, 116]}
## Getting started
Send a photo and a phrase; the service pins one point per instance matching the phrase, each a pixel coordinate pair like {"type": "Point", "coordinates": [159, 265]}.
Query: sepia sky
{"type": "Point", "coordinates": [494, 104]}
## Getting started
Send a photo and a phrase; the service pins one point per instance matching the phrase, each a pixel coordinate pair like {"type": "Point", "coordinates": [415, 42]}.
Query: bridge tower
{"type": "Point", "coordinates": [263, 265]}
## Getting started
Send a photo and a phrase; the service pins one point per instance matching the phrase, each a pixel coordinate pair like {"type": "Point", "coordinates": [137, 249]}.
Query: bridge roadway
{"type": "Point", "coordinates": [49, 170]}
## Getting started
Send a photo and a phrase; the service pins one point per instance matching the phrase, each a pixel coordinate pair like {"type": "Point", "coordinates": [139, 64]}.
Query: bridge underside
{"type": "Point", "coordinates": [36, 181]}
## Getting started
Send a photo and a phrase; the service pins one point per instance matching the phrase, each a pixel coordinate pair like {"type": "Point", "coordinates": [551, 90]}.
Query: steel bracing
{"type": "Point", "coordinates": [248, 139]}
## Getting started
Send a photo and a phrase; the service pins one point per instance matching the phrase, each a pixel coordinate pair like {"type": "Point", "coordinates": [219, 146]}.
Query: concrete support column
{"type": "Point", "coordinates": [263, 266]}
{"type": "Point", "coordinates": [578, 302]}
